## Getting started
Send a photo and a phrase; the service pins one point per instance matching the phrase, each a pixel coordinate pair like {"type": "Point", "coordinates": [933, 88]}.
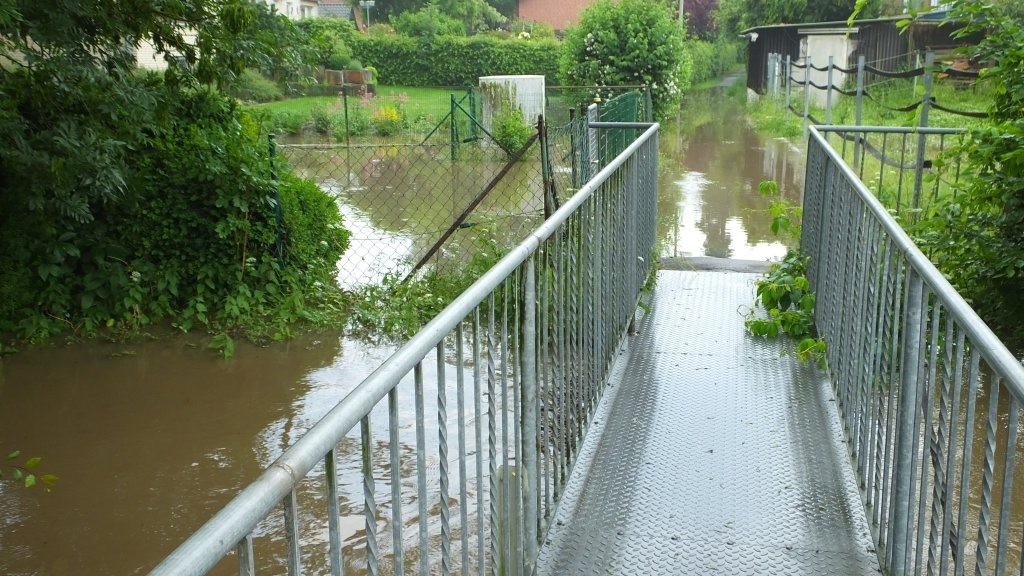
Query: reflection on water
{"type": "Point", "coordinates": [712, 162]}
{"type": "Point", "coordinates": [150, 439]}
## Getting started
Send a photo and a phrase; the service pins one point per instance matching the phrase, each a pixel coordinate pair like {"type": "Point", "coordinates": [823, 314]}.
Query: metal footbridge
{"type": "Point", "coordinates": [568, 415]}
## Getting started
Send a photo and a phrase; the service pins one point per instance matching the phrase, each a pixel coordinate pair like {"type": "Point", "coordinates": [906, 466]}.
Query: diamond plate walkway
{"type": "Point", "coordinates": [713, 454]}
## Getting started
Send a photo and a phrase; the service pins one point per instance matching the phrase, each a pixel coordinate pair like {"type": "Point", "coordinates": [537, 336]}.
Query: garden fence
{"type": "Point", "coordinates": [410, 206]}
{"type": "Point", "coordinates": [453, 455]}
{"type": "Point", "coordinates": [799, 84]}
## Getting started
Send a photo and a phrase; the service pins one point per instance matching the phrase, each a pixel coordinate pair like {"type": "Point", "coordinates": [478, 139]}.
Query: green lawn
{"type": "Point", "coordinates": [417, 101]}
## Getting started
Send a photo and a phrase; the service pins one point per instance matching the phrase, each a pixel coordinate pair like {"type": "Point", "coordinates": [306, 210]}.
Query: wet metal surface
{"type": "Point", "coordinates": [719, 454]}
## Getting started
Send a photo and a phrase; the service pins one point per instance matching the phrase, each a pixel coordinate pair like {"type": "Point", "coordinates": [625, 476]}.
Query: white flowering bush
{"type": "Point", "coordinates": [629, 42]}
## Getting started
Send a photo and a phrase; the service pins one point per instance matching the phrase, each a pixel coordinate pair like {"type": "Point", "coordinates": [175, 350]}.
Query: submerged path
{"type": "Point", "coordinates": [713, 453]}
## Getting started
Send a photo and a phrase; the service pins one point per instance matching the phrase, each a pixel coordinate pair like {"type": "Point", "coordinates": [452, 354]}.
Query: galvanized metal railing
{"type": "Point", "coordinates": [930, 398]}
{"type": "Point", "coordinates": [906, 168]}
{"type": "Point", "coordinates": [530, 345]}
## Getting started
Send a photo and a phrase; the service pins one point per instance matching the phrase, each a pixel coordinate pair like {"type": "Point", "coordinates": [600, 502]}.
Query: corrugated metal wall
{"type": "Point", "coordinates": [783, 41]}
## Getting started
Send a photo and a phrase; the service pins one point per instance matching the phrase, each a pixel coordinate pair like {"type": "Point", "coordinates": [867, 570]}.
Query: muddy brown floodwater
{"type": "Point", "coordinates": [150, 439]}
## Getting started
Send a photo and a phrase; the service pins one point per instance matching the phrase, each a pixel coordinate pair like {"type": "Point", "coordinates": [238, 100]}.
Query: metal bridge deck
{"type": "Point", "coordinates": [714, 453]}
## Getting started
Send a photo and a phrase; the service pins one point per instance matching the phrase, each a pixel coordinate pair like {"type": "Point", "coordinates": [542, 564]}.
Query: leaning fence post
{"type": "Point", "coordinates": [828, 92]}
{"type": "Point", "coordinates": [929, 61]}
{"type": "Point", "coordinates": [907, 439]}
{"type": "Point", "coordinates": [278, 216]}
{"type": "Point", "coordinates": [529, 415]}
{"type": "Point", "coordinates": [807, 91]}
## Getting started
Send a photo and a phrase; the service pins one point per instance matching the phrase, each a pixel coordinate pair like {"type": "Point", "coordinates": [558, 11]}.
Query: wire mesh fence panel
{"type": "Point", "coordinates": [431, 203]}
{"type": "Point", "coordinates": [399, 200]}
{"type": "Point", "coordinates": [909, 170]}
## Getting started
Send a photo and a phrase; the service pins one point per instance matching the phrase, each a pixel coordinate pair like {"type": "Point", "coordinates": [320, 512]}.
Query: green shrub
{"type": "Point", "coordinates": [251, 86]}
{"type": "Point", "coordinates": [427, 22]}
{"type": "Point", "coordinates": [287, 122]}
{"type": "Point", "coordinates": [454, 61]}
{"type": "Point", "coordinates": [324, 119]}
{"type": "Point", "coordinates": [628, 42]}
{"type": "Point", "coordinates": [510, 131]}
{"type": "Point", "coordinates": [711, 60]}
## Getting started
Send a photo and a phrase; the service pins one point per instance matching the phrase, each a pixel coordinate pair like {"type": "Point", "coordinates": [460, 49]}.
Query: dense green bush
{"type": "Point", "coordinates": [427, 22]}
{"type": "Point", "coordinates": [977, 238]}
{"type": "Point", "coordinates": [628, 42]}
{"type": "Point", "coordinates": [193, 240]}
{"type": "Point", "coordinates": [328, 40]}
{"type": "Point", "coordinates": [454, 61]}
{"type": "Point", "coordinates": [510, 131]}
{"type": "Point", "coordinates": [711, 60]}
{"type": "Point", "coordinates": [251, 86]}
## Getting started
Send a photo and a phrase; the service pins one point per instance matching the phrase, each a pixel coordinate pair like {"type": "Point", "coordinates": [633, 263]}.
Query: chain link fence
{"type": "Point", "coordinates": [429, 202]}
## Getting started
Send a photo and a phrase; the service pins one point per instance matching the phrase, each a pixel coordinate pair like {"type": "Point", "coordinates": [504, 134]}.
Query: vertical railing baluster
{"type": "Point", "coordinates": [479, 448]}
{"type": "Point", "coordinates": [397, 521]}
{"type": "Point", "coordinates": [369, 499]}
{"type": "Point", "coordinates": [333, 513]}
{"type": "Point", "coordinates": [529, 425]}
{"type": "Point", "coordinates": [929, 441]}
{"type": "Point", "coordinates": [442, 447]}
{"type": "Point", "coordinates": [291, 531]}
{"type": "Point", "coordinates": [492, 439]}
{"type": "Point", "coordinates": [246, 558]}
{"type": "Point", "coordinates": [1006, 497]}
{"type": "Point", "coordinates": [954, 433]}
{"type": "Point", "coordinates": [460, 391]}
{"type": "Point", "coordinates": [988, 477]}
{"type": "Point", "coordinates": [974, 376]}
{"type": "Point", "coordinates": [421, 469]}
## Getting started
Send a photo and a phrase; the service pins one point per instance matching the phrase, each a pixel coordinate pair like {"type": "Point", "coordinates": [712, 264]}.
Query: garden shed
{"type": "Point", "coordinates": [878, 40]}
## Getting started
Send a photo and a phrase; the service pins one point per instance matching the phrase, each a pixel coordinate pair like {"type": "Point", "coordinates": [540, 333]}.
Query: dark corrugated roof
{"type": "Point", "coordinates": [929, 16]}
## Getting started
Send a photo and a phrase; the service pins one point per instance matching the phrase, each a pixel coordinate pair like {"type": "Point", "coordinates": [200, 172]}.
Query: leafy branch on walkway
{"type": "Point", "coordinates": [784, 294]}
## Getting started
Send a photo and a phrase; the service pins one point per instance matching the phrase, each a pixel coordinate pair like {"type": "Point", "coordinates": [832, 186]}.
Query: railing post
{"type": "Point", "coordinates": [929, 61]}
{"type": "Point", "coordinates": [807, 91]}
{"type": "Point", "coordinates": [789, 79]}
{"type": "Point", "coordinates": [828, 91]}
{"type": "Point", "coordinates": [859, 112]}
{"type": "Point", "coordinates": [906, 440]}
{"type": "Point", "coordinates": [529, 415]}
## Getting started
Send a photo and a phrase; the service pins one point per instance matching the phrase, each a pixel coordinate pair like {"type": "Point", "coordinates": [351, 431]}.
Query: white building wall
{"type": "Point", "coordinates": [817, 48]}
{"type": "Point", "coordinates": [295, 9]}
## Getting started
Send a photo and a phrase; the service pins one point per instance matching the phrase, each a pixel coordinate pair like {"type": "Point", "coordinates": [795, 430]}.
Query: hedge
{"type": "Point", "coordinates": [711, 60]}
{"type": "Point", "coordinates": [454, 61]}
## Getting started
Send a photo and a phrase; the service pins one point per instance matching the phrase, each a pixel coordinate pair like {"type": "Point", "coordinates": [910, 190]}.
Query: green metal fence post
{"type": "Point", "coordinates": [454, 129]}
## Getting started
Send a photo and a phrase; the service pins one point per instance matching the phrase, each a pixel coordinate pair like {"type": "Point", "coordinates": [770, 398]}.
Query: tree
{"type": "Point", "coordinates": [978, 236]}
{"type": "Point", "coordinates": [129, 197]}
{"type": "Point", "coordinates": [629, 42]}
{"type": "Point", "coordinates": [328, 40]}
{"type": "Point", "coordinates": [475, 14]}
{"type": "Point", "coordinates": [700, 21]}
{"type": "Point", "coordinates": [427, 23]}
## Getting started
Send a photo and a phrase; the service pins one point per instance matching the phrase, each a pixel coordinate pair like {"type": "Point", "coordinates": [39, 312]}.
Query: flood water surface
{"type": "Point", "coordinates": [712, 163]}
{"type": "Point", "coordinates": [149, 440]}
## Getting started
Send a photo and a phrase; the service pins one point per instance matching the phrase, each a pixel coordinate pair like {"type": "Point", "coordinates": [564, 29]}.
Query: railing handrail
{"type": "Point", "coordinates": [219, 535]}
{"type": "Point", "coordinates": [888, 129]}
{"type": "Point", "coordinates": [991, 347]}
